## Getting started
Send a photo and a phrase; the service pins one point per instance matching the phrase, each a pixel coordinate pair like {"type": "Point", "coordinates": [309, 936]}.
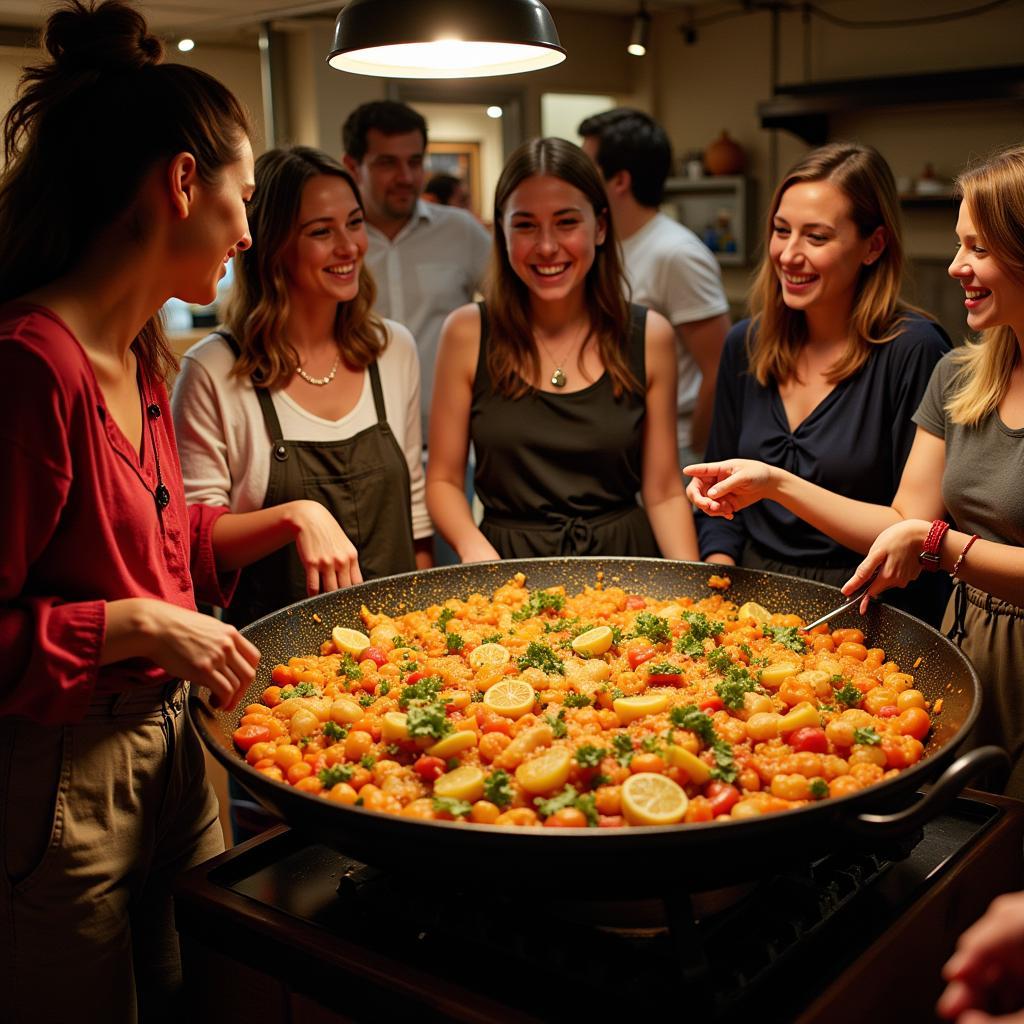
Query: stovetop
{"type": "Point", "coordinates": [528, 943]}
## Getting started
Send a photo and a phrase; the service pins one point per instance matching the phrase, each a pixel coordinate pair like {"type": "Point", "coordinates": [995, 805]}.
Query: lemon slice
{"type": "Point", "coordinates": [453, 744]}
{"type": "Point", "coordinates": [594, 642]}
{"type": "Point", "coordinates": [511, 698]}
{"type": "Point", "coordinates": [545, 772]}
{"type": "Point", "coordinates": [489, 656]}
{"type": "Point", "coordinates": [755, 611]}
{"type": "Point", "coordinates": [630, 708]}
{"type": "Point", "coordinates": [394, 726]}
{"type": "Point", "coordinates": [349, 641]}
{"type": "Point", "coordinates": [652, 799]}
{"type": "Point", "coordinates": [464, 783]}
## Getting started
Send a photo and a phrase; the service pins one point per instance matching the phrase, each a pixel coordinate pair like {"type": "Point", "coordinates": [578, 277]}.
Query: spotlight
{"type": "Point", "coordinates": [494, 112]}
{"type": "Point", "coordinates": [186, 44]}
{"type": "Point", "coordinates": [641, 32]}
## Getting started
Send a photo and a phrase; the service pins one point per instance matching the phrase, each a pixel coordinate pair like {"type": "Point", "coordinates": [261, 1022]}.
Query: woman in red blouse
{"type": "Point", "coordinates": [126, 181]}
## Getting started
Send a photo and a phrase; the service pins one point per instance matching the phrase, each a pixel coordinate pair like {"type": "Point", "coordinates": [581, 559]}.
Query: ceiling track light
{"type": "Point", "coordinates": [444, 38]}
{"type": "Point", "coordinates": [641, 35]}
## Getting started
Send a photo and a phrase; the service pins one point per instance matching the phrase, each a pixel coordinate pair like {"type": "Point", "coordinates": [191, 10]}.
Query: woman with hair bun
{"type": "Point", "coordinates": [823, 380]}
{"type": "Point", "coordinates": [566, 391]}
{"type": "Point", "coordinates": [965, 467]}
{"type": "Point", "coordinates": [125, 184]}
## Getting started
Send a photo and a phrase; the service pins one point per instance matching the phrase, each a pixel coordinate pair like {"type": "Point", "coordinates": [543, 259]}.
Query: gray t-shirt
{"type": "Point", "coordinates": [982, 482]}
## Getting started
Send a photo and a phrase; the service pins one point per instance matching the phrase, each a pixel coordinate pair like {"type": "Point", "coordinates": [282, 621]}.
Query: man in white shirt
{"type": "Point", "coordinates": [669, 269]}
{"type": "Point", "coordinates": [426, 259]}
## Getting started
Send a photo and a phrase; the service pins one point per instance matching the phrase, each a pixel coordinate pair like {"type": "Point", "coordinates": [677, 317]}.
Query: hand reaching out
{"type": "Point", "coordinates": [329, 557]}
{"type": "Point", "coordinates": [986, 973]}
{"type": "Point", "coordinates": [895, 554]}
{"type": "Point", "coordinates": [723, 488]}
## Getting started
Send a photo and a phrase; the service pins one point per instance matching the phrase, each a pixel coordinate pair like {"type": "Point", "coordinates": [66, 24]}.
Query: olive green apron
{"type": "Point", "coordinates": [363, 481]}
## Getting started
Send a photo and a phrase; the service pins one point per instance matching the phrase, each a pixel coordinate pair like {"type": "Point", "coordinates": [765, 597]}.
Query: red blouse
{"type": "Point", "coordinates": [79, 524]}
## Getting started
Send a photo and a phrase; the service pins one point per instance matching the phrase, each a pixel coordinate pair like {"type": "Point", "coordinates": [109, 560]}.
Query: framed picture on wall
{"type": "Point", "coordinates": [460, 159]}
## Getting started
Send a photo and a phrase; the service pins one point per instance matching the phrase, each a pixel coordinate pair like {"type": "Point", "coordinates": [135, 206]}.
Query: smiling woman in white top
{"type": "Point", "coordinates": [306, 393]}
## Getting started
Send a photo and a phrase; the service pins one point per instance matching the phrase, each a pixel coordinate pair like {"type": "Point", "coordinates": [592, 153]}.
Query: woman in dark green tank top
{"type": "Point", "coordinates": [566, 392]}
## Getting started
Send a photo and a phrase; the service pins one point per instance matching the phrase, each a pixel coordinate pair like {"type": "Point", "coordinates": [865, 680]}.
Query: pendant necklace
{"type": "Point", "coordinates": [319, 381]}
{"type": "Point", "coordinates": [557, 378]}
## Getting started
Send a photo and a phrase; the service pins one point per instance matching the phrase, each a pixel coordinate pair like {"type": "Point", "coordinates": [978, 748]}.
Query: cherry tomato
{"type": "Point", "coordinates": [610, 821]}
{"type": "Point", "coordinates": [722, 797]}
{"type": "Point", "coordinates": [415, 677]}
{"type": "Point", "coordinates": [639, 656]}
{"type": "Point", "coordinates": [711, 704]}
{"type": "Point", "coordinates": [635, 601]}
{"type": "Point", "coordinates": [914, 722]}
{"type": "Point", "coordinates": [889, 711]}
{"type": "Point", "coordinates": [429, 768]}
{"type": "Point", "coordinates": [245, 736]}
{"type": "Point", "coordinates": [376, 655]}
{"type": "Point", "coordinates": [664, 679]}
{"type": "Point", "coordinates": [567, 817]}
{"type": "Point", "coordinates": [810, 738]}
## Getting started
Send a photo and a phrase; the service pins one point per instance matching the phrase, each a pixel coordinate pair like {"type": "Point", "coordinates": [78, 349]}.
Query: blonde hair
{"type": "Point", "coordinates": [512, 352]}
{"type": "Point", "coordinates": [257, 310]}
{"type": "Point", "coordinates": [993, 191]}
{"type": "Point", "coordinates": [777, 333]}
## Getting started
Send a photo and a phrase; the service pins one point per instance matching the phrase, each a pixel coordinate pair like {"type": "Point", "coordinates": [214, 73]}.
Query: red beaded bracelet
{"type": "Point", "coordinates": [963, 555]}
{"type": "Point", "coordinates": [929, 556]}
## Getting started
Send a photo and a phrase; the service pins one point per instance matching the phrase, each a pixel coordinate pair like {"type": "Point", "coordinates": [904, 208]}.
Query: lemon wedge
{"type": "Point", "coordinates": [510, 697]}
{"type": "Point", "coordinates": [349, 641]}
{"type": "Point", "coordinates": [463, 783]}
{"type": "Point", "coordinates": [630, 708]}
{"type": "Point", "coordinates": [694, 767]}
{"type": "Point", "coordinates": [489, 656]}
{"type": "Point", "coordinates": [545, 772]}
{"type": "Point", "coordinates": [394, 726]}
{"type": "Point", "coordinates": [755, 611]}
{"type": "Point", "coordinates": [594, 642]}
{"type": "Point", "coordinates": [453, 744]}
{"type": "Point", "coordinates": [652, 799]}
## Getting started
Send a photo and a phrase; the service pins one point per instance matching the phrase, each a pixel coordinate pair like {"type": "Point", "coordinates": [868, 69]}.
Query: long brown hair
{"type": "Point", "coordinates": [87, 126]}
{"type": "Point", "coordinates": [778, 333]}
{"type": "Point", "coordinates": [258, 308]}
{"type": "Point", "coordinates": [994, 194]}
{"type": "Point", "coordinates": [512, 355]}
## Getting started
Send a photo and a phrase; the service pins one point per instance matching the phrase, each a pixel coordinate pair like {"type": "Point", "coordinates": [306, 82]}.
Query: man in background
{"type": "Point", "coordinates": [668, 267]}
{"type": "Point", "coordinates": [447, 190]}
{"type": "Point", "coordinates": [426, 259]}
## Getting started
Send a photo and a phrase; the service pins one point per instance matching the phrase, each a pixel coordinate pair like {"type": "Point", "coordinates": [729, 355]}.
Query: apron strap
{"type": "Point", "coordinates": [270, 420]}
{"type": "Point", "coordinates": [378, 394]}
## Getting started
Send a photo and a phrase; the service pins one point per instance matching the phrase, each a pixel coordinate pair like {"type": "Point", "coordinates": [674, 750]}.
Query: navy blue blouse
{"type": "Point", "coordinates": [854, 443]}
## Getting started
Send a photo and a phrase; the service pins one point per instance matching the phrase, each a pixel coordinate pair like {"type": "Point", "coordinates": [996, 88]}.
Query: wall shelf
{"type": "Point", "coordinates": [702, 204]}
{"type": "Point", "coordinates": [805, 108]}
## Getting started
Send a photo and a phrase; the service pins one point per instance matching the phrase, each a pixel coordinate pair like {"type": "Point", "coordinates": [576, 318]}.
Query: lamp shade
{"type": "Point", "coordinates": [444, 38]}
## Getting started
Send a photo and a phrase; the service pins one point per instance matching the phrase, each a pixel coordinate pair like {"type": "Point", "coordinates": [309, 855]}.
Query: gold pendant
{"type": "Point", "coordinates": [558, 378]}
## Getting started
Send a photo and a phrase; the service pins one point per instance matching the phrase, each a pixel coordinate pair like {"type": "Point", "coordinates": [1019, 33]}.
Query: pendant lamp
{"type": "Point", "coordinates": [444, 38]}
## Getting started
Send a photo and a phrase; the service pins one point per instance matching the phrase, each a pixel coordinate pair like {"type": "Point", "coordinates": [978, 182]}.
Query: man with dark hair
{"type": "Point", "coordinates": [669, 269]}
{"type": "Point", "coordinates": [447, 190]}
{"type": "Point", "coordinates": [426, 259]}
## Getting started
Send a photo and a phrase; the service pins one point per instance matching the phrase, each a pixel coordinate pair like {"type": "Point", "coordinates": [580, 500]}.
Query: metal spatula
{"type": "Point", "coordinates": [850, 603]}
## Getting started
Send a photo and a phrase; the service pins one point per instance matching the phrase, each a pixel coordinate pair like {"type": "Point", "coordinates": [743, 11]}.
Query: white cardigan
{"type": "Point", "coordinates": [223, 443]}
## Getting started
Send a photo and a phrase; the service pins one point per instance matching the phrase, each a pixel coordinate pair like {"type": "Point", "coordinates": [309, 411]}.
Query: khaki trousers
{"type": "Point", "coordinates": [96, 820]}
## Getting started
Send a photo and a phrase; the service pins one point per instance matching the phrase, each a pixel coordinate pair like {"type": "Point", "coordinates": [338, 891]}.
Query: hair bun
{"type": "Point", "coordinates": [106, 37]}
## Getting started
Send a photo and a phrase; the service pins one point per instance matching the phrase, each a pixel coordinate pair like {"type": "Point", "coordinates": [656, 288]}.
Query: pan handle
{"type": "Point", "coordinates": [963, 770]}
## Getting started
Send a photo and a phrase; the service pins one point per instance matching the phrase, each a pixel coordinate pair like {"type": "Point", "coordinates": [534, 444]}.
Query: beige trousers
{"type": "Point", "coordinates": [96, 820]}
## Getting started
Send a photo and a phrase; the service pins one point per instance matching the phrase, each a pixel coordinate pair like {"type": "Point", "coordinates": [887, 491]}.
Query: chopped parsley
{"type": "Point", "coordinates": [384, 688]}
{"type": "Point", "coordinates": [589, 756]}
{"type": "Point", "coordinates": [787, 636]}
{"type": "Point", "coordinates": [577, 700]}
{"type": "Point", "coordinates": [449, 805]}
{"type": "Point", "coordinates": [455, 643]}
{"type": "Point", "coordinates": [347, 667]}
{"type": "Point", "coordinates": [557, 724]}
{"type": "Point", "coordinates": [569, 797]}
{"type": "Point", "coordinates": [819, 789]}
{"type": "Point", "coordinates": [452, 763]}
{"type": "Point", "coordinates": [334, 731]}
{"type": "Point", "coordinates": [654, 627]}
{"type": "Point", "coordinates": [366, 699]}
{"type": "Point", "coordinates": [736, 684]}
{"type": "Point", "coordinates": [426, 689]}
{"type": "Point", "coordinates": [725, 767]}
{"type": "Point", "coordinates": [498, 788]}
{"type": "Point", "coordinates": [446, 616]}
{"type": "Point", "coordinates": [493, 638]}
{"type": "Point", "coordinates": [400, 641]}
{"type": "Point", "coordinates": [560, 625]}
{"type": "Point", "coordinates": [368, 760]}
{"type": "Point", "coordinates": [476, 697]}
{"type": "Point", "coordinates": [652, 744]}
{"type": "Point", "coordinates": [868, 736]}
{"type": "Point", "coordinates": [848, 695]}
{"type": "Point", "coordinates": [393, 749]}
{"type": "Point", "coordinates": [697, 721]}
{"type": "Point", "coordinates": [664, 668]}
{"type": "Point", "coordinates": [302, 690]}
{"type": "Point", "coordinates": [336, 773]}
{"type": "Point", "coordinates": [539, 602]}
{"type": "Point", "coordinates": [428, 720]}
{"type": "Point", "coordinates": [541, 656]}
{"type": "Point", "coordinates": [409, 666]}
{"type": "Point", "coordinates": [623, 746]}
{"type": "Point", "coordinates": [701, 626]}
{"type": "Point", "coordinates": [617, 693]}
{"type": "Point", "coordinates": [718, 659]}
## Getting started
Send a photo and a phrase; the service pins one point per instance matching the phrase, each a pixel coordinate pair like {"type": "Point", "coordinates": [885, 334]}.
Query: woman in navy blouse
{"type": "Point", "coordinates": [824, 378]}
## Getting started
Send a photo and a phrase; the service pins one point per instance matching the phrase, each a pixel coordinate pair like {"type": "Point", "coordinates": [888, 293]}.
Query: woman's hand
{"type": "Point", "coordinates": [183, 643]}
{"type": "Point", "coordinates": [895, 554]}
{"type": "Point", "coordinates": [478, 549]}
{"type": "Point", "coordinates": [723, 488]}
{"type": "Point", "coordinates": [329, 557]}
{"type": "Point", "coordinates": [986, 973]}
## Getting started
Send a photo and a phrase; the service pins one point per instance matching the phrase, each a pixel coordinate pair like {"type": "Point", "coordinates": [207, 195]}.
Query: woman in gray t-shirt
{"type": "Point", "coordinates": [965, 466]}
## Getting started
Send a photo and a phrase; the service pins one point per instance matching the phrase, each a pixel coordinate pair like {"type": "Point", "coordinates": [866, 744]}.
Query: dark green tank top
{"type": "Point", "coordinates": [559, 473]}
